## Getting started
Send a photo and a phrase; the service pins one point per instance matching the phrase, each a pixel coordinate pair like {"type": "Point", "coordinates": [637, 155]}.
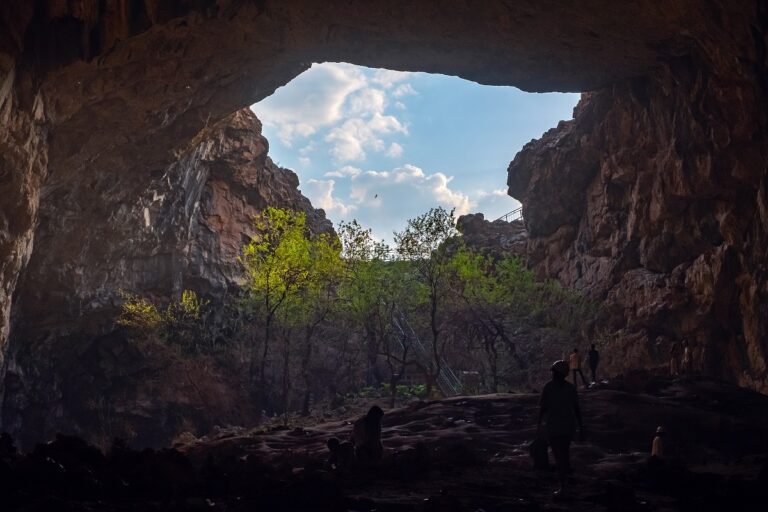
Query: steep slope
{"type": "Point", "coordinates": [464, 453]}
{"type": "Point", "coordinates": [653, 201]}
{"type": "Point", "coordinates": [183, 229]}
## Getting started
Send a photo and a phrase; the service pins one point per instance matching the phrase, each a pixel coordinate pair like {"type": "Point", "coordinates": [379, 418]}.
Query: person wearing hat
{"type": "Point", "coordinates": [559, 409]}
{"type": "Point", "coordinates": [657, 448]}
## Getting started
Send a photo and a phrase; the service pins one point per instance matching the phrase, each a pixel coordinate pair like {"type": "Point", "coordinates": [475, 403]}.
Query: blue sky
{"type": "Point", "coordinates": [384, 146]}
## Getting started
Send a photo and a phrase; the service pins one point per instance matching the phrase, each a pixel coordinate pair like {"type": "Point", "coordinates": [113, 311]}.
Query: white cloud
{"type": "Point", "coordinates": [403, 90]}
{"type": "Point", "coordinates": [342, 105]}
{"type": "Point", "coordinates": [320, 192]}
{"type": "Point", "coordinates": [314, 99]}
{"type": "Point", "coordinates": [367, 101]}
{"type": "Point", "coordinates": [495, 203]}
{"type": "Point", "coordinates": [395, 150]}
{"type": "Point", "coordinates": [342, 172]}
{"type": "Point", "coordinates": [387, 77]}
{"type": "Point", "coordinates": [382, 199]}
{"type": "Point", "coordinates": [351, 140]}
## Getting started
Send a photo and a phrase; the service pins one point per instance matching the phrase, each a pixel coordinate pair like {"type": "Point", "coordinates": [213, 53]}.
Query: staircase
{"type": "Point", "coordinates": [449, 384]}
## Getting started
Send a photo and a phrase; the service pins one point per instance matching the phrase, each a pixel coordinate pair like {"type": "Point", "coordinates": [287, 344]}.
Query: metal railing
{"type": "Point", "coordinates": [512, 216]}
{"type": "Point", "coordinates": [447, 381]}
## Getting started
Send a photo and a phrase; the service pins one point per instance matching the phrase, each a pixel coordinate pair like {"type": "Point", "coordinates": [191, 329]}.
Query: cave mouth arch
{"type": "Point", "coordinates": [382, 146]}
{"type": "Point", "coordinates": [87, 136]}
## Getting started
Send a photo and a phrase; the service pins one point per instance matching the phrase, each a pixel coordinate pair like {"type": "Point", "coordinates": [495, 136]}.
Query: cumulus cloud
{"type": "Point", "coordinates": [382, 199]}
{"type": "Point", "coordinates": [351, 140]}
{"type": "Point", "coordinates": [341, 105]}
{"type": "Point", "coordinates": [395, 150]}
{"type": "Point", "coordinates": [341, 172]}
{"type": "Point", "coordinates": [320, 192]}
{"type": "Point", "coordinates": [494, 203]}
{"type": "Point", "coordinates": [387, 78]}
{"type": "Point", "coordinates": [403, 90]}
{"type": "Point", "coordinates": [314, 99]}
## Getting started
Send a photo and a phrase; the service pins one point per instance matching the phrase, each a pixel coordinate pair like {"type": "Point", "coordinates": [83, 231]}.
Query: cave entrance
{"type": "Point", "coordinates": [382, 146]}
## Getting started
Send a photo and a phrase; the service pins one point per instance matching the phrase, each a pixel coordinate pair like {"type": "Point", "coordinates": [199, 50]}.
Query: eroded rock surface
{"type": "Point", "coordinates": [465, 453]}
{"type": "Point", "coordinates": [182, 229]}
{"type": "Point", "coordinates": [652, 201]}
{"type": "Point", "coordinates": [497, 238]}
{"type": "Point", "coordinates": [101, 101]}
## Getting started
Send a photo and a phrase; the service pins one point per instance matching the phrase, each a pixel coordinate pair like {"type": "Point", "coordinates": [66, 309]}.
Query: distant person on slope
{"type": "Point", "coordinates": [657, 447]}
{"type": "Point", "coordinates": [559, 409]}
{"type": "Point", "coordinates": [687, 358]}
{"type": "Point", "coordinates": [594, 359]}
{"type": "Point", "coordinates": [575, 363]}
{"type": "Point", "coordinates": [674, 360]}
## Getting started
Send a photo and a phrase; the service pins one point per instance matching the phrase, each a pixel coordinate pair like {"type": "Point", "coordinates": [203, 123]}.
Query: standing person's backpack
{"type": "Point", "coordinates": [539, 453]}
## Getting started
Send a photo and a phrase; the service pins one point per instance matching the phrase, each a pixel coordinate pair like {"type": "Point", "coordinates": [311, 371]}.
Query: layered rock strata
{"type": "Point", "coordinates": [183, 229]}
{"type": "Point", "coordinates": [98, 100]}
{"type": "Point", "coordinates": [652, 201]}
{"type": "Point", "coordinates": [498, 238]}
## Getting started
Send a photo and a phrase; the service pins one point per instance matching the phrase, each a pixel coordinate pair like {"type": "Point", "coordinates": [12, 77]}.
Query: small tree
{"type": "Point", "coordinates": [374, 291]}
{"type": "Point", "coordinates": [277, 264]}
{"type": "Point", "coordinates": [423, 243]}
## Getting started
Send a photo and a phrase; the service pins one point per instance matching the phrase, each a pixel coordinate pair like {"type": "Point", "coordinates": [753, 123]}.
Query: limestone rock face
{"type": "Point", "coordinates": [652, 201]}
{"type": "Point", "coordinates": [498, 238]}
{"type": "Point", "coordinates": [184, 229]}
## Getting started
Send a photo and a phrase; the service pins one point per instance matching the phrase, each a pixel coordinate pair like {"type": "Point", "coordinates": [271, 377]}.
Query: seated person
{"type": "Point", "coordinates": [342, 454]}
{"type": "Point", "coordinates": [366, 436]}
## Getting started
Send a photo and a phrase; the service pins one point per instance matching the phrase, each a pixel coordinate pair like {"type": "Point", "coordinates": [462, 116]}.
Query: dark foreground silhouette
{"type": "Point", "coordinates": [465, 453]}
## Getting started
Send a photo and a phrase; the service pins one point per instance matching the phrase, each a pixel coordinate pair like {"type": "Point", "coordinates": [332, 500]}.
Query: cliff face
{"type": "Point", "coordinates": [183, 229]}
{"type": "Point", "coordinates": [496, 239]}
{"type": "Point", "coordinates": [653, 201]}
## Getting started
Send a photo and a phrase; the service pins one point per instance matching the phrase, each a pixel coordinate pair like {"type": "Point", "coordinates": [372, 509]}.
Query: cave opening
{"type": "Point", "coordinates": [135, 165]}
{"type": "Point", "coordinates": [382, 146]}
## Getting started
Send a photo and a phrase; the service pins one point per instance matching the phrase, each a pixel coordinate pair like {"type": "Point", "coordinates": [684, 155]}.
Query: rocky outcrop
{"type": "Point", "coordinates": [652, 201]}
{"type": "Point", "coordinates": [23, 167]}
{"type": "Point", "coordinates": [106, 106]}
{"type": "Point", "coordinates": [499, 238]}
{"type": "Point", "coordinates": [473, 447]}
{"type": "Point", "coordinates": [184, 229]}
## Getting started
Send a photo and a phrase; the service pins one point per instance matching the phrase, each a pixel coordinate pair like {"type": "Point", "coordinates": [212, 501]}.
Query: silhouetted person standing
{"type": "Point", "coordinates": [575, 363]}
{"type": "Point", "coordinates": [594, 360]}
{"type": "Point", "coordinates": [559, 408]}
{"type": "Point", "coordinates": [366, 436]}
{"type": "Point", "coordinates": [674, 359]}
{"type": "Point", "coordinates": [687, 358]}
{"type": "Point", "coordinates": [657, 447]}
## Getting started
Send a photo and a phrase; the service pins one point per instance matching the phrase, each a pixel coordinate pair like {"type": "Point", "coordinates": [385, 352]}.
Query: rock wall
{"type": "Point", "coordinates": [497, 238]}
{"type": "Point", "coordinates": [23, 166]}
{"type": "Point", "coordinates": [653, 200]}
{"type": "Point", "coordinates": [184, 229]}
{"type": "Point", "coordinates": [107, 111]}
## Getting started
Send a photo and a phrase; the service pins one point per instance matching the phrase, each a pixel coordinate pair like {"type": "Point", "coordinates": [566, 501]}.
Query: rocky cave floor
{"type": "Point", "coordinates": [464, 453]}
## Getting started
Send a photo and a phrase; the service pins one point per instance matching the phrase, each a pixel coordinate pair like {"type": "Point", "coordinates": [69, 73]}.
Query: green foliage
{"type": "Point", "coordinates": [424, 237]}
{"type": "Point", "coordinates": [180, 324]}
{"type": "Point", "coordinates": [316, 314]}
{"type": "Point", "coordinates": [140, 314]}
{"type": "Point", "coordinates": [385, 390]}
